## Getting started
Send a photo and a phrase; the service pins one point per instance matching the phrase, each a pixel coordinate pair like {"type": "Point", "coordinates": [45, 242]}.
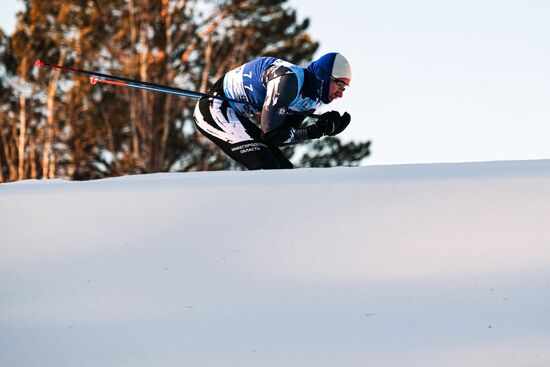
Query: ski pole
{"type": "Point", "coordinates": [163, 89]}
{"type": "Point", "coordinates": [96, 77]}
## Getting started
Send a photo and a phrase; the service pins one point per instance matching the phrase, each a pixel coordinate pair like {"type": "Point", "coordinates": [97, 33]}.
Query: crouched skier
{"type": "Point", "coordinates": [276, 91]}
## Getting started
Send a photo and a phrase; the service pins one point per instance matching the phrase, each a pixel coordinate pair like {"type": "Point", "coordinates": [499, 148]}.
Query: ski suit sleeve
{"type": "Point", "coordinates": [294, 120]}
{"type": "Point", "coordinates": [278, 128]}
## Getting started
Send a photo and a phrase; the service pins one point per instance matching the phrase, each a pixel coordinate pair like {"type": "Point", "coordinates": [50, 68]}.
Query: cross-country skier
{"type": "Point", "coordinates": [274, 91]}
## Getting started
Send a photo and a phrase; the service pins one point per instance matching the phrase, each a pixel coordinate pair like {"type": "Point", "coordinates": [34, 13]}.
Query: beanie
{"type": "Point", "coordinates": [321, 70]}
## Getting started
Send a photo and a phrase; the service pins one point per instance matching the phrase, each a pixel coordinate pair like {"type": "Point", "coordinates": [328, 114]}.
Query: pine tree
{"type": "Point", "coordinates": [56, 124]}
{"type": "Point", "coordinates": [331, 152]}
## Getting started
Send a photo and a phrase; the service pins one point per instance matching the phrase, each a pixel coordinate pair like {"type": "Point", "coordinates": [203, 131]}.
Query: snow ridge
{"type": "Point", "coordinates": [413, 265]}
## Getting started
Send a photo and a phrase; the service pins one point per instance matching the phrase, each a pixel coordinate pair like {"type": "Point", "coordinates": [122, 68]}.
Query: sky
{"type": "Point", "coordinates": [443, 80]}
{"type": "Point", "coordinates": [436, 80]}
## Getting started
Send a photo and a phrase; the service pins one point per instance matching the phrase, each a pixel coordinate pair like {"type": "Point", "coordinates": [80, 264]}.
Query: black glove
{"type": "Point", "coordinates": [313, 132]}
{"type": "Point", "coordinates": [344, 122]}
{"type": "Point", "coordinates": [328, 122]}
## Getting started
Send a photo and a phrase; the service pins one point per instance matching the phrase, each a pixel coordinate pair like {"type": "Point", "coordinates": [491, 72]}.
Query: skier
{"type": "Point", "coordinates": [276, 92]}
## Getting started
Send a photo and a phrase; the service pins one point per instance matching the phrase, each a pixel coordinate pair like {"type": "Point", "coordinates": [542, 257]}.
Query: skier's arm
{"type": "Point", "coordinates": [295, 120]}
{"type": "Point", "coordinates": [282, 89]}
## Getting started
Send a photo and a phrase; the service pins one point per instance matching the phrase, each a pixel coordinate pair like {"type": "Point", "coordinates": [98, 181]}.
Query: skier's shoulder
{"type": "Point", "coordinates": [282, 70]}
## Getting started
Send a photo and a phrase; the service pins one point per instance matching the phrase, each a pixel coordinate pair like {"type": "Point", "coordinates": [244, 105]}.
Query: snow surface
{"type": "Point", "coordinates": [415, 265]}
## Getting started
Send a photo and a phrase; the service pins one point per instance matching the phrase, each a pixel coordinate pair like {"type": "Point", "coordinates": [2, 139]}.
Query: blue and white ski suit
{"type": "Point", "coordinates": [271, 88]}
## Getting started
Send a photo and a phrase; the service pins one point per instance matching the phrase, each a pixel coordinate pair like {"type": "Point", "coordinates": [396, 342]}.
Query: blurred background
{"type": "Point", "coordinates": [433, 81]}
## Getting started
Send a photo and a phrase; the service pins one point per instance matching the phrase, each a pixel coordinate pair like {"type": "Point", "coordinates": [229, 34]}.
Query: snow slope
{"type": "Point", "coordinates": [416, 265]}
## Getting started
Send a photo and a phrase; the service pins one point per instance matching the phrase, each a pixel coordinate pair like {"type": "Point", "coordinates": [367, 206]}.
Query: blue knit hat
{"type": "Point", "coordinates": [320, 71]}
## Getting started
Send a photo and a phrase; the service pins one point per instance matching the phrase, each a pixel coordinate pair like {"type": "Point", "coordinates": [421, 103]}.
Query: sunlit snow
{"type": "Point", "coordinates": [413, 265]}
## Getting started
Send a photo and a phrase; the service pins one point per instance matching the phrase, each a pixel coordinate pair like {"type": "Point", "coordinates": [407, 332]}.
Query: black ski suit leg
{"type": "Point", "coordinates": [236, 135]}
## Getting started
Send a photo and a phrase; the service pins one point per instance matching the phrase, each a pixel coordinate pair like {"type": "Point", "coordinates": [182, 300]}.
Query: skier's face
{"type": "Point", "coordinates": [337, 88]}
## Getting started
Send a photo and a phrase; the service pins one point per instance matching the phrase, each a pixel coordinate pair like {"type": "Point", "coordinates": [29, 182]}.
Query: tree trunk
{"type": "Point", "coordinates": [168, 77]}
{"type": "Point", "coordinates": [48, 157]}
{"type": "Point", "coordinates": [6, 150]}
{"type": "Point", "coordinates": [146, 111]}
{"type": "Point", "coordinates": [207, 63]}
{"type": "Point", "coordinates": [32, 157]}
{"type": "Point", "coordinates": [132, 93]}
{"type": "Point", "coordinates": [22, 119]}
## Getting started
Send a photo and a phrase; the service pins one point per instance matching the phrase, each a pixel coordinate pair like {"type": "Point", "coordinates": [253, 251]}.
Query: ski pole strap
{"type": "Point", "coordinates": [96, 77]}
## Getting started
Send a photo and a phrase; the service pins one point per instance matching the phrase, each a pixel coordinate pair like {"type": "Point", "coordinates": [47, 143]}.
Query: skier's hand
{"type": "Point", "coordinates": [329, 122]}
{"type": "Point", "coordinates": [344, 122]}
